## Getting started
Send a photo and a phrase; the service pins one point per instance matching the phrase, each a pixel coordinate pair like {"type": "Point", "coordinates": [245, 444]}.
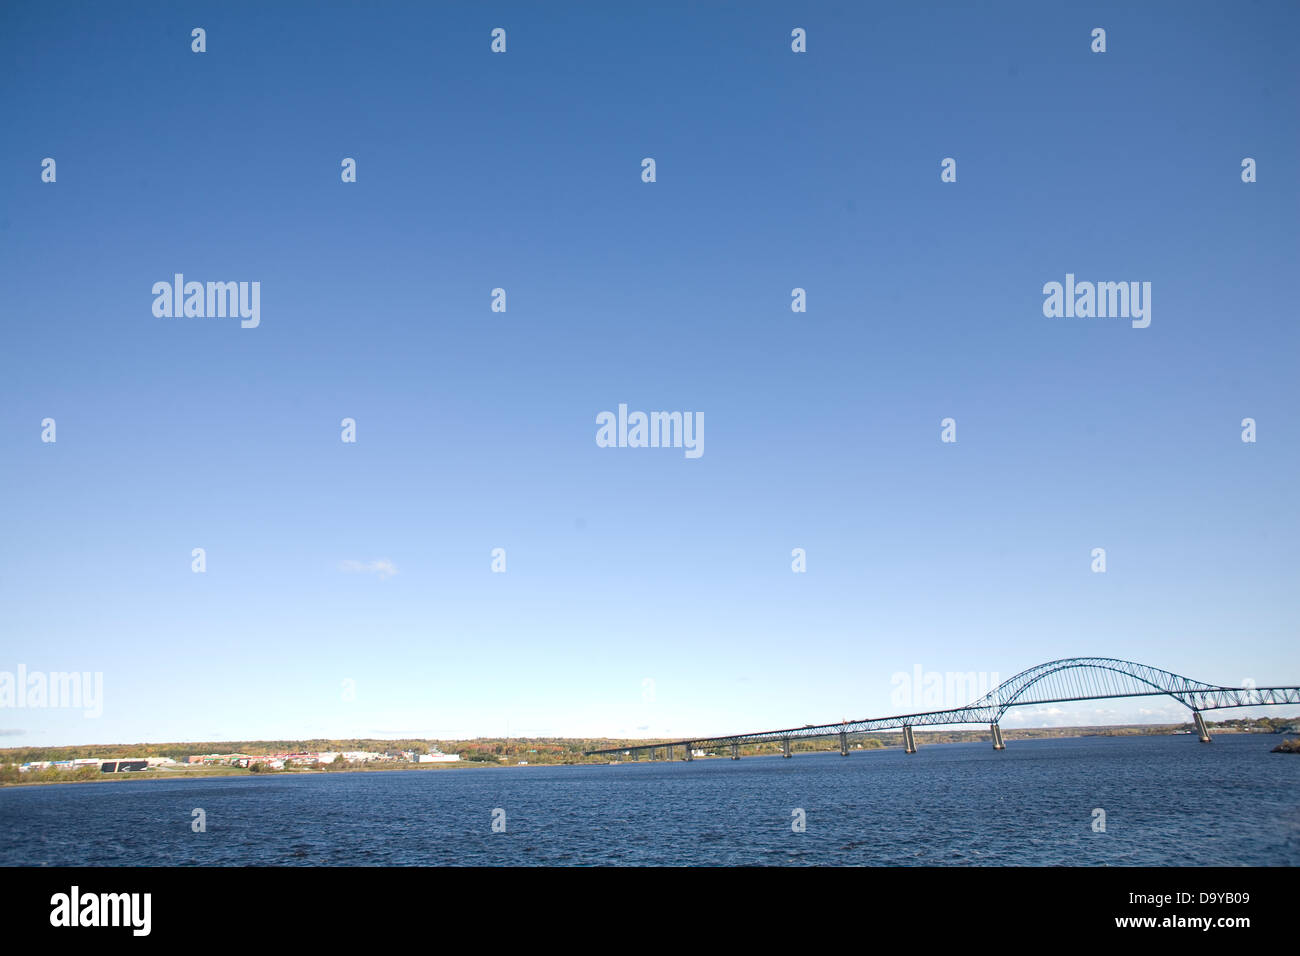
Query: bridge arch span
{"type": "Point", "coordinates": [1089, 678]}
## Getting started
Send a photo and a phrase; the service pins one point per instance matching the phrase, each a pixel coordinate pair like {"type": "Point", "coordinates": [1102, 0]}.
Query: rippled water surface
{"type": "Point", "coordinates": [1167, 800]}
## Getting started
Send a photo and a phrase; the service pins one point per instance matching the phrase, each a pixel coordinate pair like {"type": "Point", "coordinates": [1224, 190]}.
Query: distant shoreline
{"type": "Point", "coordinates": [208, 772]}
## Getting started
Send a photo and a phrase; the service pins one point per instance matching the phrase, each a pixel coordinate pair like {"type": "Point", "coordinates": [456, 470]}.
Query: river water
{"type": "Point", "coordinates": [1166, 801]}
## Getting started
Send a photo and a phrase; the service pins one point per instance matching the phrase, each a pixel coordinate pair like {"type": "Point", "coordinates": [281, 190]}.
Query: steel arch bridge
{"type": "Point", "coordinates": [1056, 682]}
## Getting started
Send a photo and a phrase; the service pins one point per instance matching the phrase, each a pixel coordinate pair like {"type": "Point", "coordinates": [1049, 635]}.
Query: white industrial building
{"type": "Point", "coordinates": [439, 757]}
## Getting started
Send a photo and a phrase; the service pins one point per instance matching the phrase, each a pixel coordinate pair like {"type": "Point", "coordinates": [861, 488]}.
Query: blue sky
{"type": "Point", "coordinates": [476, 430]}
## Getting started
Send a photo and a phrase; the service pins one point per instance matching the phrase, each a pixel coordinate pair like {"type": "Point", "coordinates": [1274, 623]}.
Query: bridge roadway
{"type": "Point", "coordinates": [1056, 682]}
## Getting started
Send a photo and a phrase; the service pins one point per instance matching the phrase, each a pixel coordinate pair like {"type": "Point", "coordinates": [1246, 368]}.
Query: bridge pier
{"type": "Point", "coordinates": [670, 751]}
{"type": "Point", "coordinates": [909, 742]}
{"type": "Point", "coordinates": [735, 750]}
{"type": "Point", "coordinates": [1200, 727]}
{"type": "Point", "coordinates": [785, 747]}
{"type": "Point", "coordinates": [997, 737]}
{"type": "Point", "coordinates": [686, 748]}
{"type": "Point", "coordinates": [844, 744]}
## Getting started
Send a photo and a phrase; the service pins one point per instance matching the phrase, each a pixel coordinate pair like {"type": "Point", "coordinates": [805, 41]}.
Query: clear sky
{"type": "Point", "coordinates": [371, 562]}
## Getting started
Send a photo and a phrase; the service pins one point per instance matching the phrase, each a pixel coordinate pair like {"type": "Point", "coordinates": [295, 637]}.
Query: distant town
{"type": "Point", "coordinates": [278, 761]}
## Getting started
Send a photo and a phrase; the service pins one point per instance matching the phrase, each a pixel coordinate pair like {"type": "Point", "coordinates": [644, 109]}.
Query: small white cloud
{"type": "Point", "coordinates": [383, 567]}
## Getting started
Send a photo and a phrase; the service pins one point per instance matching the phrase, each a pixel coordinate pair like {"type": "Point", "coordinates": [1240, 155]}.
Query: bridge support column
{"type": "Point", "coordinates": [785, 747]}
{"type": "Point", "coordinates": [1200, 727]}
{"type": "Point", "coordinates": [844, 744]}
{"type": "Point", "coordinates": [686, 752]}
{"type": "Point", "coordinates": [909, 742]}
{"type": "Point", "coordinates": [670, 751]}
{"type": "Point", "coordinates": [735, 750]}
{"type": "Point", "coordinates": [997, 737]}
